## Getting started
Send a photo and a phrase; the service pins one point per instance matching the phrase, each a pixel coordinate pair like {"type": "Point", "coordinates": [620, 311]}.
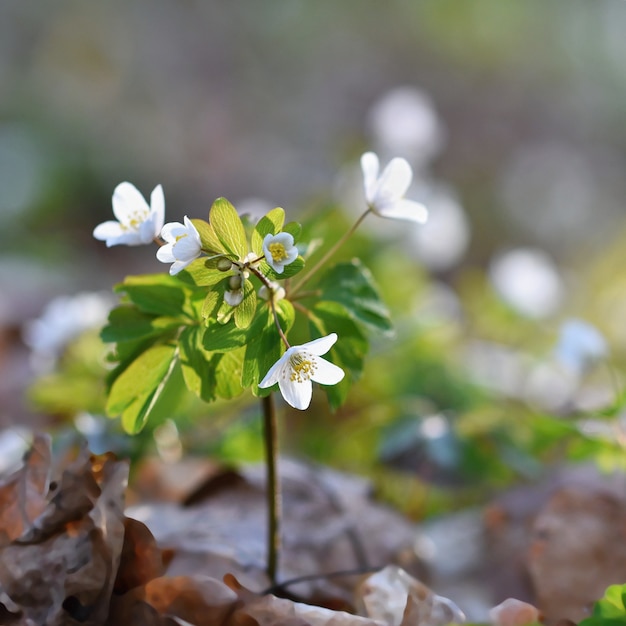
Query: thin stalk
{"type": "Point", "coordinates": [274, 499]}
{"type": "Point", "coordinates": [327, 256]}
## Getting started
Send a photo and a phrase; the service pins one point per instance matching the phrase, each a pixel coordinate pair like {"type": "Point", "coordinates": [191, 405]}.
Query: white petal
{"type": "Point", "coordinates": [298, 395]}
{"type": "Point", "coordinates": [395, 180]}
{"type": "Point", "coordinates": [327, 373]}
{"type": "Point", "coordinates": [370, 167]}
{"type": "Point", "coordinates": [127, 201]}
{"type": "Point", "coordinates": [157, 206]}
{"type": "Point", "coordinates": [405, 210]}
{"type": "Point", "coordinates": [186, 249]}
{"type": "Point", "coordinates": [171, 230]}
{"type": "Point", "coordinates": [107, 229]}
{"type": "Point", "coordinates": [165, 253]}
{"type": "Point", "coordinates": [178, 266]}
{"type": "Point", "coordinates": [192, 231]}
{"type": "Point", "coordinates": [285, 238]}
{"type": "Point", "coordinates": [319, 346]}
{"type": "Point", "coordinates": [147, 229]}
{"type": "Point", "coordinates": [273, 375]}
{"type": "Point", "coordinates": [292, 255]}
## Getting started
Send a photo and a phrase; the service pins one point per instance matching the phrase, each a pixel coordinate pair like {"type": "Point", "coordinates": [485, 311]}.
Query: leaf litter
{"type": "Point", "coordinates": [71, 553]}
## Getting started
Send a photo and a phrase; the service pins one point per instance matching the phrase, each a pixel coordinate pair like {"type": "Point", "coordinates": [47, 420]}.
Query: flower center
{"type": "Point", "coordinates": [302, 367]}
{"type": "Point", "coordinates": [179, 237]}
{"type": "Point", "coordinates": [136, 219]}
{"type": "Point", "coordinates": [278, 252]}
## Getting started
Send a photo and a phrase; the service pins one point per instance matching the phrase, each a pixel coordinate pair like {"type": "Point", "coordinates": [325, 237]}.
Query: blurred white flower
{"type": "Point", "coordinates": [444, 238]}
{"type": "Point", "coordinates": [384, 194]}
{"type": "Point", "coordinates": [404, 122]}
{"type": "Point", "coordinates": [63, 319]}
{"type": "Point", "coordinates": [137, 223]}
{"type": "Point", "coordinates": [527, 280]}
{"type": "Point", "coordinates": [182, 246]}
{"type": "Point", "coordinates": [300, 365]}
{"type": "Point", "coordinates": [277, 291]}
{"type": "Point", "coordinates": [279, 251]}
{"type": "Point", "coordinates": [580, 346]}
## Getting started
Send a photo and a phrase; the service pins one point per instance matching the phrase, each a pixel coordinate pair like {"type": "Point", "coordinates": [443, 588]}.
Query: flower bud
{"type": "Point", "coordinates": [224, 264]}
{"type": "Point", "coordinates": [234, 282]}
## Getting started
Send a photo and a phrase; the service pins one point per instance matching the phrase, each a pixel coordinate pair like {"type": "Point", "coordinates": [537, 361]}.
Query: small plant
{"type": "Point", "coordinates": [224, 314]}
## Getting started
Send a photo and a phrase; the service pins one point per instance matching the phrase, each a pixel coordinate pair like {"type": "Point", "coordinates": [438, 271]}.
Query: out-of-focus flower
{"type": "Point", "coordinates": [444, 238]}
{"type": "Point", "coordinates": [63, 319]}
{"type": "Point", "coordinates": [404, 122]}
{"type": "Point", "coordinates": [528, 281]}
{"type": "Point", "coordinates": [277, 291]}
{"type": "Point", "coordinates": [137, 223]}
{"type": "Point", "coordinates": [580, 346]}
{"type": "Point", "coordinates": [182, 246]}
{"type": "Point", "coordinates": [384, 194]}
{"type": "Point", "coordinates": [300, 365]}
{"type": "Point", "coordinates": [279, 251]}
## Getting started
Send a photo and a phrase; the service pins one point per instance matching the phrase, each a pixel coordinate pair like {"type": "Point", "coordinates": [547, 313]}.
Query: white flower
{"type": "Point", "coordinates": [300, 365]}
{"type": "Point", "coordinates": [137, 223]}
{"type": "Point", "coordinates": [279, 251]}
{"type": "Point", "coordinates": [183, 245]}
{"type": "Point", "coordinates": [273, 289]}
{"type": "Point", "coordinates": [581, 345]}
{"type": "Point", "coordinates": [384, 194]}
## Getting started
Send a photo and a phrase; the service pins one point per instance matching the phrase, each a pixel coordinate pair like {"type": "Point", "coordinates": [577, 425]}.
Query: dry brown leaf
{"type": "Point", "coordinates": [394, 597]}
{"type": "Point", "coordinates": [578, 549]}
{"type": "Point", "coordinates": [61, 568]}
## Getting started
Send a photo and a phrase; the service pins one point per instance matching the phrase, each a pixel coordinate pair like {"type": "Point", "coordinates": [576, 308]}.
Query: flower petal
{"type": "Point", "coordinates": [274, 373]}
{"type": "Point", "coordinates": [370, 167]}
{"type": "Point", "coordinates": [186, 248]}
{"type": "Point", "coordinates": [327, 373]}
{"type": "Point", "coordinates": [107, 229]}
{"type": "Point", "coordinates": [178, 266]}
{"type": "Point", "coordinates": [157, 207]}
{"type": "Point", "coordinates": [127, 201]}
{"type": "Point", "coordinates": [171, 230]}
{"type": "Point", "coordinates": [298, 395]}
{"type": "Point", "coordinates": [319, 346]}
{"type": "Point", "coordinates": [395, 179]}
{"type": "Point", "coordinates": [165, 253]}
{"type": "Point", "coordinates": [405, 210]}
{"type": "Point", "coordinates": [192, 231]}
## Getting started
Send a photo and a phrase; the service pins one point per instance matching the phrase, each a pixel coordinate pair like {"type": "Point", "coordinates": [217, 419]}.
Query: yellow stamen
{"type": "Point", "coordinates": [302, 367]}
{"type": "Point", "coordinates": [278, 252]}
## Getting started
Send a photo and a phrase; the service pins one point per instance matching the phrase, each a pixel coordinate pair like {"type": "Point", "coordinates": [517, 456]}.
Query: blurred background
{"type": "Point", "coordinates": [513, 116]}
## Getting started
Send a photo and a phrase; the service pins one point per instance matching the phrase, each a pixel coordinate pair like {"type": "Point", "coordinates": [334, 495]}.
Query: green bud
{"type": "Point", "coordinates": [224, 264]}
{"type": "Point", "coordinates": [234, 282]}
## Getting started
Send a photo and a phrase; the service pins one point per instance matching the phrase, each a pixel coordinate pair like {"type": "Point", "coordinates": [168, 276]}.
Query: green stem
{"type": "Point", "coordinates": [274, 500]}
{"type": "Point", "coordinates": [327, 256]}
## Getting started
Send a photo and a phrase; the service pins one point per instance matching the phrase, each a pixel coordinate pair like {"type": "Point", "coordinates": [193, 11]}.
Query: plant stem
{"type": "Point", "coordinates": [327, 256]}
{"type": "Point", "coordinates": [274, 499]}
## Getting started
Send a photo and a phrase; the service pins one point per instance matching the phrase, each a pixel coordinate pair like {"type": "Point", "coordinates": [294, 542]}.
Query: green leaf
{"type": "Point", "coordinates": [289, 270]}
{"type": "Point", "coordinates": [352, 285]}
{"type": "Point", "coordinates": [202, 273]}
{"type": "Point", "coordinates": [159, 294]}
{"type": "Point", "coordinates": [265, 345]}
{"type": "Point", "coordinates": [610, 610]}
{"type": "Point", "coordinates": [135, 390]}
{"type": "Point", "coordinates": [211, 303]}
{"type": "Point", "coordinates": [269, 224]}
{"type": "Point", "coordinates": [244, 312]}
{"type": "Point", "coordinates": [348, 352]}
{"type": "Point", "coordinates": [197, 364]}
{"type": "Point", "coordinates": [127, 323]}
{"type": "Point", "coordinates": [229, 228]}
{"type": "Point", "coordinates": [224, 337]}
{"type": "Point", "coordinates": [210, 241]}
{"type": "Point", "coordinates": [228, 374]}
{"type": "Point", "coordinates": [294, 229]}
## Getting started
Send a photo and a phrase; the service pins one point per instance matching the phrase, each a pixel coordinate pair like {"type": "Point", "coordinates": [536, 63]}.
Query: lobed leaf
{"type": "Point", "coordinates": [352, 285]}
{"type": "Point", "coordinates": [244, 313]}
{"type": "Point", "coordinates": [270, 224]}
{"type": "Point", "coordinates": [210, 241]}
{"type": "Point", "coordinates": [229, 228]}
{"type": "Point", "coordinates": [159, 294]}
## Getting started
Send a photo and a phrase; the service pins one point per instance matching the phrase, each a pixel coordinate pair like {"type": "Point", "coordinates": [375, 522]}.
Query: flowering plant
{"type": "Point", "coordinates": [219, 323]}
